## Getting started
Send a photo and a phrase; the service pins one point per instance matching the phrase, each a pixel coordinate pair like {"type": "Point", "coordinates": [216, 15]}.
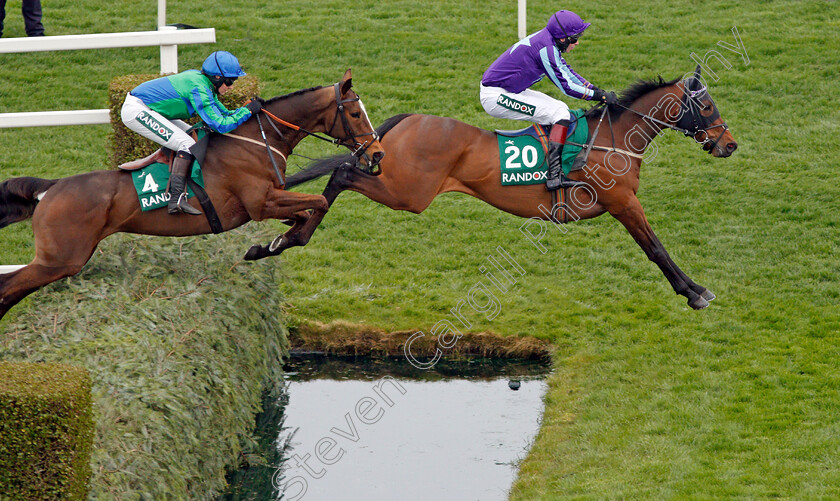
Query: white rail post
{"type": "Point", "coordinates": [161, 13]}
{"type": "Point", "coordinates": [167, 38]}
{"type": "Point", "coordinates": [168, 54]}
{"type": "Point", "coordinates": [523, 30]}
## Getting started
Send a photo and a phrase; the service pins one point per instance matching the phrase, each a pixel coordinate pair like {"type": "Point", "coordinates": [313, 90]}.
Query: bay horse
{"type": "Point", "coordinates": [70, 216]}
{"type": "Point", "coordinates": [429, 155]}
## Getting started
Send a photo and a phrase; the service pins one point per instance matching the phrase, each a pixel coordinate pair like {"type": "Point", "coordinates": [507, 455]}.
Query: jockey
{"type": "Point", "coordinates": [505, 85]}
{"type": "Point", "coordinates": [153, 109]}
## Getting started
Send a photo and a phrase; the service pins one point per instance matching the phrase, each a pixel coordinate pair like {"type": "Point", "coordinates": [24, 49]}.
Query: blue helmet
{"type": "Point", "coordinates": [222, 64]}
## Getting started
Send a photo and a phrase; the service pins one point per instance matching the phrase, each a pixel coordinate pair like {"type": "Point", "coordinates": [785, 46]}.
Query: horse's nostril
{"type": "Point", "coordinates": [732, 146]}
{"type": "Point", "coordinates": [377, 157]}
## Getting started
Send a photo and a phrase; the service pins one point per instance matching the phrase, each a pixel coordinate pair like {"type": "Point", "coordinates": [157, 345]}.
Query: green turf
{"type": "Point", "coordinates": [650, 399]}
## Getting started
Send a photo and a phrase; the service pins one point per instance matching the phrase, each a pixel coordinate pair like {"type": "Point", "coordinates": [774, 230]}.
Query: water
{"type": "Point", "coordinates": [372, 429]}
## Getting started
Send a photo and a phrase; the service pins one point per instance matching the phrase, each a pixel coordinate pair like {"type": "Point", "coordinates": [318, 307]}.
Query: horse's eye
{"type": "Point", "coordinates": [356, 114]}
{"type": "Point", "coordinates": [707, 108]}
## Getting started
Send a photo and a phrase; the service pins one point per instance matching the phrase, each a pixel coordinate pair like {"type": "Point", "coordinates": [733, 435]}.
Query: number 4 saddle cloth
{"type": "Point", "coordinates": [151, 183]}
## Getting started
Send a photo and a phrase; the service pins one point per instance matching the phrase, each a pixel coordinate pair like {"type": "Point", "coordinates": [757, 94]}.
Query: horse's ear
{"type": "Point", "coordinates": [346, 82]}
{"type": "Point", "coordinates": [697, 72]}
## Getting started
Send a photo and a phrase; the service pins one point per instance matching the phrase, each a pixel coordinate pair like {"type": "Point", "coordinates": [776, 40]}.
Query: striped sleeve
{"type": "Point", "coordinates": [214, 113]}
{"type": "Point", "coordinates": [572, 84]}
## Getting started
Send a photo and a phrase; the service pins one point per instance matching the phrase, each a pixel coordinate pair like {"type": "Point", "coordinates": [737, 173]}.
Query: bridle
{"type": "Point", "coordinates": [358, 148]}
{"type": "Point", "coordinates": [691, 122]}
{"type": "Point", "coordinates": [350, 140]}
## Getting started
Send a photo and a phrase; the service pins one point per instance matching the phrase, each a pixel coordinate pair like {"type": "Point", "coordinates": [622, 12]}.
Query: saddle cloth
{"type": "Point", "coordinates": [523, 152]}
{"type": "Point", "coordinates": [151, 182]}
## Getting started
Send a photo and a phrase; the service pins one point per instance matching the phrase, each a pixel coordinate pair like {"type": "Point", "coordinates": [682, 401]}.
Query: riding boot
{"type": "Point", "coordinates": [555, 178]}
{"type": "Point", "coordinates": [181, 167]}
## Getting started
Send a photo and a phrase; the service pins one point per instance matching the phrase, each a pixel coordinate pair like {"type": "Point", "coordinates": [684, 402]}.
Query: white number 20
{"type": "Point", "coordinates": [529, 157]}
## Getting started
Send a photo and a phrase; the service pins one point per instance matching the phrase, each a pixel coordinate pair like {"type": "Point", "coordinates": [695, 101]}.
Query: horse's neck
{"type": "Point", "coordinates": [303, 111]}
{"type": "Point", "coordinates": [662, 105]}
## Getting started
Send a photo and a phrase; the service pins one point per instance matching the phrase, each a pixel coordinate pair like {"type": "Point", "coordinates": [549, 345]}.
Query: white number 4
{"type": "Point", "coordinates": [150, 184]}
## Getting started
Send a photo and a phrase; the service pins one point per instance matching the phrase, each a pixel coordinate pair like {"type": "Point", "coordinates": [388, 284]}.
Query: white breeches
{"type": "Point", "coordinates": [530, 105]}
{"type": "Point", "coordinates": [152, 125]}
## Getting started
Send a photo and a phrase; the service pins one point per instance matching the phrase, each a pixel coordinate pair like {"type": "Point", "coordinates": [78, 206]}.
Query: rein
{"type": "Point", "coordinates": [698, 121]}
{"type": "Point", "coordinates": [688, 105]}
{"type": "Point", "coordinates": [590, 146]}
{"type": "Point", "coordinates": [360, 148]}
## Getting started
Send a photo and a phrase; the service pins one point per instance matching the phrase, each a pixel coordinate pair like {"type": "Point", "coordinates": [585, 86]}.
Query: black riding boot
{"type": "Point", "coordinates": [555, 178]}
{"type": "Point", "coordinates": [181, 167]}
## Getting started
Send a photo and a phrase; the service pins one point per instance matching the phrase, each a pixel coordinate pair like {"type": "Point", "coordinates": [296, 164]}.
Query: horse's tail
{"type": "Point", "coordinates": [19, 196]}
{"type": "Point", "coordinates": [316, 169]}
{"type": "Point", "coordinates": [324, 166]}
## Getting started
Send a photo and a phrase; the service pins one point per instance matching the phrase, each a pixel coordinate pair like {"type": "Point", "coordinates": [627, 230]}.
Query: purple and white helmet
{"type": "Point", "coordinates": [565, 24]}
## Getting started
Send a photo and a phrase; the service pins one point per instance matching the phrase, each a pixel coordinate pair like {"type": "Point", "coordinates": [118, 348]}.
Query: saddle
{"type": "Point", "coordinates": [162, 156]}
{"type": "Point", "coordinates": [165, 156]}
{"type": "Point", "coordinates": [576, 136]}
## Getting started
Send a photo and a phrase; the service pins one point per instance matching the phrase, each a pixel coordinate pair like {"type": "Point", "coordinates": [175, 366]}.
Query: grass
{"type": "Point", "coordinates": [649, 399]}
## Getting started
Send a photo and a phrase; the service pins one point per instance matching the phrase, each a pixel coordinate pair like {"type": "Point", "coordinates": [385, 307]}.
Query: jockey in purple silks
{"type": "Point", "coordinates": [505, 85]}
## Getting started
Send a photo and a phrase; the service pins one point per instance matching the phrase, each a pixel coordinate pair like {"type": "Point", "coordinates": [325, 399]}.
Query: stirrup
{"type": "Point", "coordinates": [555, 183]}
{"type": "Point", "coordinates": [182, 206]}
{"type": "Point", "coordinates": [570, 183]}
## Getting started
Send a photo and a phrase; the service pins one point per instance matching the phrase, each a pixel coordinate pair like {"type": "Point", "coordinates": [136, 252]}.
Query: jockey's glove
{"type": "Point", "coordinates": [604, 96]}
{"type": "Point", "coordinates": [254, 105]}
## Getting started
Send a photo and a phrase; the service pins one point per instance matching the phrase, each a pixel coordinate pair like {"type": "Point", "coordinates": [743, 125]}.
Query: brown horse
{"type": "Point", "coordinates": [429, 155]}
{"type": "Point", "coordinates": [70, 216]}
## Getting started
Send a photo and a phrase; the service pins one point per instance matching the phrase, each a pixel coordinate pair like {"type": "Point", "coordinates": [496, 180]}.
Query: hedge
{"type": "Point", "coordinates": [46, 431]}
{"type": "Point", "coordinates": [126, 145]}
{"type": "Point", "coordinates": [180, 338]}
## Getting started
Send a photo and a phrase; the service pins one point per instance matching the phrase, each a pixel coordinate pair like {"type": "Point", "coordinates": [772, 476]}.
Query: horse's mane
{"type": "Point", "coordinates": [292, 94]}
{"type": "Point", "coordinates": [631, 94]}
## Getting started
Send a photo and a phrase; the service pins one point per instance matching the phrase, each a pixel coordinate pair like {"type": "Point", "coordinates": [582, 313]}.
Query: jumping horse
{"type": "Point", "coordinates": [70, 216]}
{"type": "Point", "coordinates": [429, 155]}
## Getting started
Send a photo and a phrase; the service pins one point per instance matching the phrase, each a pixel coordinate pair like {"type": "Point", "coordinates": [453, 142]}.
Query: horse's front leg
{"type": "Point", "coordinates": [306, 223]}
{"type": "Point", "coordinates": [632, 216]}
{"type": "Point", "coordinates": [281, 204]}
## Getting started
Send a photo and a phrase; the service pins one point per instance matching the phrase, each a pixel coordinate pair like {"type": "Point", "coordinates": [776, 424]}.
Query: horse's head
{"type": "Point", "coordinates": [351, 126]}
{"type": "Point", "coordinates": [701, 118]}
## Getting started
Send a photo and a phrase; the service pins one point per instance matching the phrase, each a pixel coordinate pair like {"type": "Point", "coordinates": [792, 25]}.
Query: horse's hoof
{"type": "Point", "coordinates": [254, 253]}
{"type": "Point", "coordinates": [698, 303]}
{"type": "Point", "coordinates": [708, 295]}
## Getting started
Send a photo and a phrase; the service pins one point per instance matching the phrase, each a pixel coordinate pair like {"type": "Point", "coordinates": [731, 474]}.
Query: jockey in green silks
{"type": "Point", "coordinates": [155, 110]}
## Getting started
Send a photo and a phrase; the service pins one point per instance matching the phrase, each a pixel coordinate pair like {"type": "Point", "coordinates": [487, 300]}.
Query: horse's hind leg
{"type": "Point", "coordinates": [65, 238]}
{"type": "Point", "coordinates": [343, 178]}
{"type": "Point", "coordinates": [17, 285]}
{"type": "Point", "coordinates": [306, 223]}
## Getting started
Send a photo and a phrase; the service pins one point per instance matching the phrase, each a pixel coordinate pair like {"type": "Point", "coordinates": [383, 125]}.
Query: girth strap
{"type": "Point", "coordinates": [207, 205]}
